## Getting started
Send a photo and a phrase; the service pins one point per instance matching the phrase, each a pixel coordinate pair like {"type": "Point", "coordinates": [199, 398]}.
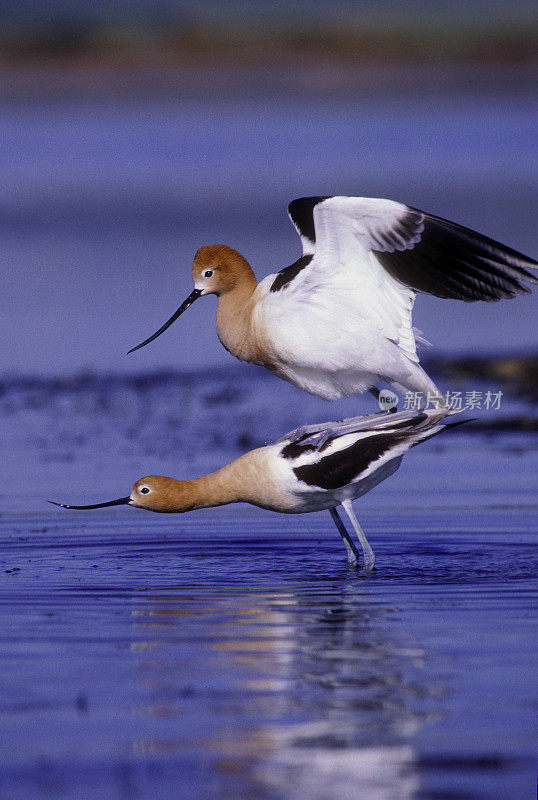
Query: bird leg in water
{"type": "Point", "coordinates": [352, 552]}
{"type": "Point", "coordinates": [369, 557]}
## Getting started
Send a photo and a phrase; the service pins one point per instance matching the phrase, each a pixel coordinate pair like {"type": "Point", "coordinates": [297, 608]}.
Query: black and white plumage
{"type": "Point", "coordinates": [357, 454]}
{"type": "Point", "coordinates": [294, 476]}
{"type": "Point", "coordinates": [427, 253]}
{"type": "Point", "coordinates": [339, 319]}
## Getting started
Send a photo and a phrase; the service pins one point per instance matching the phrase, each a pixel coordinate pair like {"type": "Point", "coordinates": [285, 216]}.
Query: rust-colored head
{"type": "Point", "coordinates": [167, 495]}
{"type": "Point", "coordinates": [218, 269]}
{"type": "Point", "coordinates": [155, 493]}
{"type": "Point", "coordinates": [159, 493]}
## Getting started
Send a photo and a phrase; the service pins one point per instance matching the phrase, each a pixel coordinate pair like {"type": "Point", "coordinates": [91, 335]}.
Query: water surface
{"type": "Point", "coordinates": [231, 652]}
{"type": "Point", "coordinates": [234, 654]}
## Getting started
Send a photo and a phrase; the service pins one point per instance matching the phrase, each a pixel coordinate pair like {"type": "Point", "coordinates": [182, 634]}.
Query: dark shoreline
{"type": "Point", "coordinates": [38, 81]}
{"type": "Point", "coordinates": [515, 375]}
{"type": "Point", "coordinates": [516, 372]}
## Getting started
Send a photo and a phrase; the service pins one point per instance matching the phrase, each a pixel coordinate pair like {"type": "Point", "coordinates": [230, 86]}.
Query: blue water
{"type": "Point", "coordinates": [105, 203]}
{"type": "Point", "coordinates": [230, 652]}
{"type": "Point", "coordinates": [234, 654]}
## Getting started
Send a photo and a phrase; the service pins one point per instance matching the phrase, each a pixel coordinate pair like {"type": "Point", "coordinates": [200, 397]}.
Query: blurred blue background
{"type": "Point", "coordinates": [133, 133]}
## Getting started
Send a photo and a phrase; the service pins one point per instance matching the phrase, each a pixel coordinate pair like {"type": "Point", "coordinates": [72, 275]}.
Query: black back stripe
{"type": "Point", "coordinates": [343, 467]}
{"type": "Point", "coordinates": [286, 275]}
{"type": "Point", "coordinates": [298, 447]}
{"type": "Point", "coordinates": [445, 427]}
{"type": "Point", "coordinates": [301, 212]}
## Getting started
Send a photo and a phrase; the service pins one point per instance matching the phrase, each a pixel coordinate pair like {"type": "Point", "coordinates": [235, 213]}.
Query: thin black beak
{"type": "Point", "coordinates": [120, 502]}
{"type": "Point", "coordinates": [194, 295]}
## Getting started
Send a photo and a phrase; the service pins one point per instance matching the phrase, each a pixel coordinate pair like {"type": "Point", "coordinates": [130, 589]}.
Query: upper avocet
{"type": "Point", "coordinates": [339, 319]}
{"type": "Point", "coordinates": [292, 476]}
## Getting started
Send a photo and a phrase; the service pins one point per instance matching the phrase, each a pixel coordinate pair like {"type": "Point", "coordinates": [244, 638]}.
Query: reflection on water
{"type": "Point", "coordinates": [321, 673]}
{"type": "Point", "coordinates": [229, 655]}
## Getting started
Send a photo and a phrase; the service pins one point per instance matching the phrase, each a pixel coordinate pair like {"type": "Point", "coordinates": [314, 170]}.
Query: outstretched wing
{"type": "Point", "coordinates": [421, 251]}
{"type": "Point", "coordinates": [337, 285]}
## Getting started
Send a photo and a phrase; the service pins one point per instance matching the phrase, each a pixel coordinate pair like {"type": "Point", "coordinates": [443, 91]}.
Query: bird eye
{"type": "Point", "coordinates": [144, 490]}
{"type": "Point", "coordinates": [208, 273]}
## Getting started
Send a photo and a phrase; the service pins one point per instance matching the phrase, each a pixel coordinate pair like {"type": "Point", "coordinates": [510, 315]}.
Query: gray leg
{"type": "Point", "coordinates": [318, 435]}
{"type": "Point", "coordinates": [368, 553]}
{"type": "Point", "coordinates": [315, 435]}
{"type": "Point", "coordinates": [352, 552]}
{"type": "Point", "coordinates": [343, 426]}
{"type": "Point", "coordinates": [318, 439]}
{"type": "Point", "coordinates": [299, 432]}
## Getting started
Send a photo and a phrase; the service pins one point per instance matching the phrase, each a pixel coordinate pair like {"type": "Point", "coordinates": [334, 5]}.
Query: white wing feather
{"type": "Point", "coordinates": [343, 274]}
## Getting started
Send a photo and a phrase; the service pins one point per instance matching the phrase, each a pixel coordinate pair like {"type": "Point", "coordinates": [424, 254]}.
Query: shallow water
{"type": "Point", "coordinates": [231, 652]}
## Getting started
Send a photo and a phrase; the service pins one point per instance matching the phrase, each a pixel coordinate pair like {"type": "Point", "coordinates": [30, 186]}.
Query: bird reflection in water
{"type": "Point", "coordinates": [298, 692]}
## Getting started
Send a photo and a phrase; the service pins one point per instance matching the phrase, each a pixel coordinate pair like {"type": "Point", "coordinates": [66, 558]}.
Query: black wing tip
{"type": "Point", "coordinates": [508, 255]}
{"type": "Point", "coordinates": [447, 425]}
{"type": "Point", "coordinates": [458, 263]}
{"type": "Point", "coordinates": [301, 211]}
{"type": "Point", "coordinates": [481, 236]}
